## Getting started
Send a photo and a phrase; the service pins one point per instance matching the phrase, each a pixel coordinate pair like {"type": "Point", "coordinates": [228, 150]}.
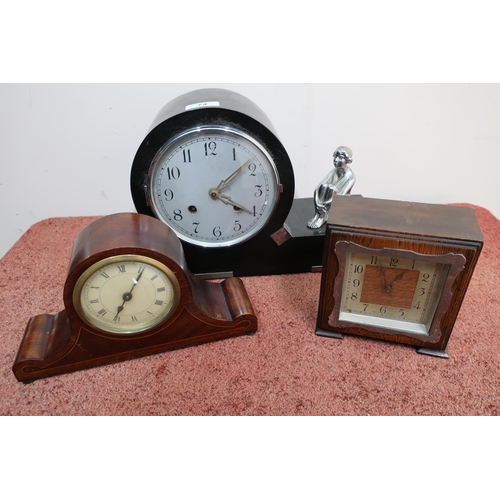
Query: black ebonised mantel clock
{"type": "Point", "coordinates": [397, 271]}
{"type": "Point", "coordinates": [213, 169]}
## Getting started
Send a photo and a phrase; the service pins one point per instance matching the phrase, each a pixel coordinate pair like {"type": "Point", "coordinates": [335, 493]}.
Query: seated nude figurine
{"type": "Point", "coordinates": [339, 181]}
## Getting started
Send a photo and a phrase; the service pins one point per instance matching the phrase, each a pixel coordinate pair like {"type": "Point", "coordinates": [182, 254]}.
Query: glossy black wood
{"type": "Point", "coordinates": [260, 255]}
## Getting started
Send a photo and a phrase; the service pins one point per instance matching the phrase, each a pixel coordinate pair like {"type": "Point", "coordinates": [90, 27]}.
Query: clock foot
{"type": "Point", "coordinates": [433, 352]}
{"type": "Point", "coordinates": [327, 333]}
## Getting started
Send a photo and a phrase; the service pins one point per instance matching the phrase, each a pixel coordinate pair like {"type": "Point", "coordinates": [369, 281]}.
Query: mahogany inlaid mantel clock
{"type": "Point", "coordinates": [128, 293]}
{"type": "Point", "coordinates": [397, 271]}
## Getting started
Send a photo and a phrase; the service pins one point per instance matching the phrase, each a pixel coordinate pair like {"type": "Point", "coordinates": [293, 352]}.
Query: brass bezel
{"type": "Point", "coordinates": [128, 258]}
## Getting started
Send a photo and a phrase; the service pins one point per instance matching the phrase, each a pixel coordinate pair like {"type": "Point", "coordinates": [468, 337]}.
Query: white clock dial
{"type": "Point", "coordinates": [126, 294]}
{"type": "Point", "coordinates": [214, 186]}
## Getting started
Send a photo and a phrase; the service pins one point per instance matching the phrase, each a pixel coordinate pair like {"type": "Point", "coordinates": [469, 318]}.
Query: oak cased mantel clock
{"type": "Point", "coordinates": [213, 169]}
{"type": "Point", "coordinates": [397, 271]}
{"type": "Point", "coordinates": [128, 293]}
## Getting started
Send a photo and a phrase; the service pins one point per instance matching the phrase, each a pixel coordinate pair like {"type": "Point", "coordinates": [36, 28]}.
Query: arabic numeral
{"type": "Point", "coordinates": [173, 173]}
{"type": "Point", "coordinates": [217, 232]}
{"type": "Point", "coordinates": [210, 148]}
{"type": "Point", "coordinates": [169, 195]}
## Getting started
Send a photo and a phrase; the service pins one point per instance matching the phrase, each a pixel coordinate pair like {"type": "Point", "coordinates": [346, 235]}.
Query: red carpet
{"type": "Point", "coordinates": [284, 369]}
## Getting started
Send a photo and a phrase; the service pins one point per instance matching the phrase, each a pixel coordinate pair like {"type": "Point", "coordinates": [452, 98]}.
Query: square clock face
{"type": "Point", "coordinates": [392, 290]}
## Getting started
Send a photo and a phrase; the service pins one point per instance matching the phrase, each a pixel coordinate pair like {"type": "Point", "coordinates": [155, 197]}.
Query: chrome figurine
{"type": "Point", "coordinates": [338, 182]}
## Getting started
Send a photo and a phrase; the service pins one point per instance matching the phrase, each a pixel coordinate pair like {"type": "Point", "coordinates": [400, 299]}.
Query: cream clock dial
{"type": "Point", "coordinates": [392, 292]}
{"type": "Point", "coordinates": [126, 294]}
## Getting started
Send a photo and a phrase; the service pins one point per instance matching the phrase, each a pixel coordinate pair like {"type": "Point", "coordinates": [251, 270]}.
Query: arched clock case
{"type": "Point", "coordinates": [128, 293]}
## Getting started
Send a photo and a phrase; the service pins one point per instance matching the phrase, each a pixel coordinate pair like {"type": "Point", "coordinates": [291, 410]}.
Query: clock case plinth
{"type": "Point", "coordinates": [285, 245]}
{"type": "Point", "coordinates": [421, 228]}
{"type": "Point", "coordinates": [206, 312]}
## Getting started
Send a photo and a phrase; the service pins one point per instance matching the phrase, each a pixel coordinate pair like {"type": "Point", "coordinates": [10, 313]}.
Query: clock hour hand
{"type": "Point", "coordinates": [225, 183]}
{"type": "Point", "coordinates": [228, 201]}
{"type": "Point", "coordinates": [398, 277]}
{"type": "Point", "coordinates": [388, 286]}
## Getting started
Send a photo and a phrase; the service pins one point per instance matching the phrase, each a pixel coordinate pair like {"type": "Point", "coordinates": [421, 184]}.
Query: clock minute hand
{"type": "Point", "coordinates": [128, 296]}
{"type": "Point", "coordinates": [225, 183]}
{"type": "Point", "coordinates": [386, 285]}
{"type": "Point", "coordinates": [136, 280]}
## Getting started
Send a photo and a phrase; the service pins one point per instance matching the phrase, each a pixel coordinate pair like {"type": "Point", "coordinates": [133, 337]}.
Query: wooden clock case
{"type": "Point", "coordinates": [422, 228]}
{"type": "Point", "coordinates": [207, 311]}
